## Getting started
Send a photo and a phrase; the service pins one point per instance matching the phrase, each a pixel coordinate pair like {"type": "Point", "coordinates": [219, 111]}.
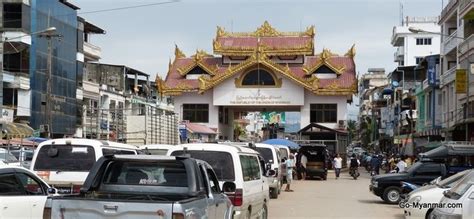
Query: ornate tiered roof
{"type": "Point", "coordinates": [259, 47]}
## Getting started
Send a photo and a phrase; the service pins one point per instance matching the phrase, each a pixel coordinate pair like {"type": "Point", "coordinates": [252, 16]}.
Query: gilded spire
{"type": "Point", "coordinates": [220, 32]}
{"type": "Point", "coordinates": [266, 30]}
{"type": "Point", "coordinates": [310, 31]}
{"type": "Point", "coordinates": [352, 52]}
{"type": "Point", "coordinates": [178, 53]}
{"type": "Point", "coordinates": [326, 54]}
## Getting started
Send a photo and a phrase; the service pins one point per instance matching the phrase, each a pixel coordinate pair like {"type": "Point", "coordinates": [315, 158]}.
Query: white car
{"type": "Point", "coordinates": [22, 193]}
{"type": "Point", "coordinates": [458, 202]}
{"type": "Point", "coordinates": [240, 165]}
{"type": "Point", "coordinates": [429, 194]}
{"type": "Point", "coordinates": [156, 149]}
{"type": "Point", "coordinates": [8, 158]}
{"type": "Point", "coordinates": [65, 163]}
{"type": "Point", "coordinates": [271, 154]}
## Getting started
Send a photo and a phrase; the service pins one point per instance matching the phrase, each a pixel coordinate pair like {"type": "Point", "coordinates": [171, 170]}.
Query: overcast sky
{"type": "Point", "coordinates": [144, 38]}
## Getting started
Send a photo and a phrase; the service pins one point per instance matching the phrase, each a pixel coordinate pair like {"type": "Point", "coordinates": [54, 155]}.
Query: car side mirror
{"type": "Point", "coordinates": [445, 192]}
{"type": "Point", "coordinates": [52, 191]}
{"type": "Point", "coordinates": [271, 172]}
{"type": "Point", "coordinates": [228, 187]}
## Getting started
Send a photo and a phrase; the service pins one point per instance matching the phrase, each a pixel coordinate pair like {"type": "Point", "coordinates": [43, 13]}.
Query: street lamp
{"type": "Point", "coordinates": [48, 30]}
{"type": "Point", "coordinates": [417, 30]}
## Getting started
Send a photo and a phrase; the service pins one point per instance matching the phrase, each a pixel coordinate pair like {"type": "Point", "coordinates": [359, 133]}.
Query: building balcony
{"type": "Point", "coordinates": [92, 51]}
{"type": "Point", "coordinates": [448, 76]}
{"type": "Point", "coordinates": [465, 7]}
{"type": "Point", "coordinates": [399, 54]}
{"type": "Point", "coordinates": [451, 42]}
{"type": "Point", "coordinates": [448, 9]}
{"type": "Point", "coordinates": [465, 47]}
{"type": "Point", "coordinates": [16, 80]}
{"type": "Point", "coordinates": [17, 35]}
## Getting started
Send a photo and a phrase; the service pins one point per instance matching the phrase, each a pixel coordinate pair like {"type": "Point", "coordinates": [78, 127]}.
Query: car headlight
{"type": "Point", "coordinates": [375, 184]}
{"type": "Point", "coordinates": [415, 199]}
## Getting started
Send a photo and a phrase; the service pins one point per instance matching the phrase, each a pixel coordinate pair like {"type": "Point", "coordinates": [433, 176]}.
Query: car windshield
{"type": "Point", "coordinates": [145, 173]}
{"type": "Point", "coordinates": [221, 162]}
{"type": "Point", "coordinates": [65, 158]}
{"type": "Point", "coordinates": [460, 188]}
{"type": "Point", "coordinates": [8, 157]}
{"type": "Point", "coordinates": [452, 180]}
{"type": "Point", "coordinates": [266, 154]}
{"type": "Point", "coordinates": [314, 153]}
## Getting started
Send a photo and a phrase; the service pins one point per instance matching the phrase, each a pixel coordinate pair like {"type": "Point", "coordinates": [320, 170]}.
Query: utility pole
{"type": "Point", "coordinates": [48, 108]}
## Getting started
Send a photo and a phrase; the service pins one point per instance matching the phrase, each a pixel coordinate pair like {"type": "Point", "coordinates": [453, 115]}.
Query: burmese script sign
{"type": "Point", "coordinates": [259, 97]}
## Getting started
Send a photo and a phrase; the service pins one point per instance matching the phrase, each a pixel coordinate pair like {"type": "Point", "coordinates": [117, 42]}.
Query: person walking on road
{"type": "Point", "coordinates": [284, 172]}
{"type": "Point", "coordinates": [304, 161]}
{"type": "Point", "coordinates": [401, 165]}
{"type": "Point", "coordinates": [375, 164]}
{"type": "Point", "coordinates": [290, 164]}
{"type": "Point", "coordinates": [337, 165]}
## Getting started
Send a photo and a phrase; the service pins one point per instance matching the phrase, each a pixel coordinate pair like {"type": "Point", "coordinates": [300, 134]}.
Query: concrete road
{"type": "Point", "coordinates": [342, 198]}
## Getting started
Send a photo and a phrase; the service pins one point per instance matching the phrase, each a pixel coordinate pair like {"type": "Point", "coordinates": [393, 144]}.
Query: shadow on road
{"type": "Point", "coordinates": [372, 202]}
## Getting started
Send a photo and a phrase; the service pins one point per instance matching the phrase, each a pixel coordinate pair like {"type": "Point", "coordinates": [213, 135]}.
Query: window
{"type": "Point", "coordinates": [78, 158]}
{"type": "Point", "coordinates": [214, 183]}
{"type": "Point", "coordinates": [324, 113]}
{"type": "Point", "coordinates": [30, 185]}
{"type": "Point", "coordinates": [12, 15]}
{"type": "Point", "coordinates": [429, 170]}
{"type": "Point", "coordinates": [423, 41]}
{"type": "Point", "coordinates": [196, 112]}
{"type": "Point", "coordinates": [109, 151]}
{"type": "Point", "coordinates": [418, 60]}
{"type": "Point", "coordinates": [266, 154]}
{"type": "Point", "coordinates": [250, 167]}
{"type": "Point", "coordinates": [258, 77]}
{"type": "Point", "coordinates": [324, 70]}
{"type": "Point", "coordinates": [221, 162]}
{"type": "Point", "coordinates": [9, 185]}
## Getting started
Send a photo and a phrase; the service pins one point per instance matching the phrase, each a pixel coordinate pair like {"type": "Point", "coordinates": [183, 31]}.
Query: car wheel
{"type": "Point", "coordinates": [274, 193]}
{"type": "Point", "coordinates": [392, 195]}
{"type": "Point", "coordinates": [429, 214]}
{"type": "Point", "coordinates": [264, 214]}
{"type": "Point", "coordinates": [325, 177]}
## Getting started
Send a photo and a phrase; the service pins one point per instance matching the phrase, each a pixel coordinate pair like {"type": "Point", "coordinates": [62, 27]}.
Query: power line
{"type": "Point", "coordinates": [129, 7]}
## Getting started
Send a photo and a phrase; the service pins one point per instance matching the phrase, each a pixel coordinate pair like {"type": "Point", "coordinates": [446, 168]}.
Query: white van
{"type": "Point", "coordinates": [271, 154]}
{"type": "Point", "coordinates": [156, 149]}
{"type": "Point", "coordinates": [239, 165]}
{"type": "Point", "coordinates": [284, 151]}
{"type": "Point", "coordinates": [65, 163]}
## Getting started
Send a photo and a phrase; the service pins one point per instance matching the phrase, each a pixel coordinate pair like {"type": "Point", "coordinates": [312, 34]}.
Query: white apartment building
{"type": "Point", "coordinates": [412, 47]}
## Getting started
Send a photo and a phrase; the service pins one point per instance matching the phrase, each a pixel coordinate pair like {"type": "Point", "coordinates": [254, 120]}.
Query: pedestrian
{"type": "Point", "coordinates": [290, 164]}
{"type": "Point", "coordinates": [401, 165]}
{"type": "Point", "coordinates": [337, 165]}
{"type": "Point", "coordinates": [284, 172]}
{"type": "Point", "coordinates": [375, 165]}
{"type": "Point", "coordinates": [304, 161]}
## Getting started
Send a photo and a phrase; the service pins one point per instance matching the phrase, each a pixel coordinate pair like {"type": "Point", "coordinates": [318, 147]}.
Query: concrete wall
{"type": "Point", "coordinates": [310, 98]}
{"type": "Point", "coordinates": [194, 98]}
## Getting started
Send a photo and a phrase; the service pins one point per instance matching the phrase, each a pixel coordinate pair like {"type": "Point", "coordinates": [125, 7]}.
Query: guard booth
{"type": "Point", "coordinates": [335, 140]}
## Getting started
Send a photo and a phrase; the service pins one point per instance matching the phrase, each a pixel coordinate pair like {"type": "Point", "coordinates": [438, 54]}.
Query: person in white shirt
{"type": "Point", "coordinates": [304, 161]}
{"type": "Point", "coordinates": [337, 165]}
{"type": "Point", "coordinates": [401, 165]}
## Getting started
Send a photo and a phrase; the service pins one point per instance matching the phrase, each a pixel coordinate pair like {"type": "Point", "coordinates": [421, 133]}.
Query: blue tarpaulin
{"type": "Point", "coordinates": [284, 142]}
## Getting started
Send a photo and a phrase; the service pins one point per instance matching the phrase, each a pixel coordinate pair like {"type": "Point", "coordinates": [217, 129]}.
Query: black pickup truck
{"type": "Point", "coordinates": [388, 186]}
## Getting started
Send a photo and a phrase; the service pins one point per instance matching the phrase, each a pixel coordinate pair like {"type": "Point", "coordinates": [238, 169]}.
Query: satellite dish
{"type": "Point", "coordinates": [395, 84]}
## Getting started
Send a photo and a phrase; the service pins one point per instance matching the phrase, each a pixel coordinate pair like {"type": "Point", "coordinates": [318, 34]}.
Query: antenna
{"type": "Point", "coordinates": [401, 13]}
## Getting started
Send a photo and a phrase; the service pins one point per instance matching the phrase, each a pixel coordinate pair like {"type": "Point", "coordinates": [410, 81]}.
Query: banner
{"type": "Point", "coordinates": [461, 81]}
{"type": "Point", "coordinates": [274, 117]}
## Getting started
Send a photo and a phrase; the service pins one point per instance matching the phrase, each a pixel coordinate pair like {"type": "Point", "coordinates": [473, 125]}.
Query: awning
{"type": "Point", "coordinates": [16, 130]}
{"type": "Point", "coordinates": [449, 149]}
{"type": "Point", "coordinates": [200, 129]}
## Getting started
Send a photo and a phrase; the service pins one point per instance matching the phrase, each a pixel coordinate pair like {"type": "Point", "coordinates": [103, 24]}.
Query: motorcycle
{"type": "Point", "coordinates": [407, 188]}
{"type": "Point", "coordinates": [354, 172]}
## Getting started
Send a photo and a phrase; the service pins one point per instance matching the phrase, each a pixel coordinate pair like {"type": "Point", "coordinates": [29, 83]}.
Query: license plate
{"type": "Point", "coordinates": [64, 190]}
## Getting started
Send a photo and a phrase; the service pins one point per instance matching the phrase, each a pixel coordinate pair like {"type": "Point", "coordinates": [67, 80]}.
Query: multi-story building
{"type": "Point", "coordinates": [25, 63]}
{"type": "Point", "coordinates": [412, 47]}
{"type": "Point", "coordinates": [457, 25]}
{"type": "Point", "coordinates": [373, 109]}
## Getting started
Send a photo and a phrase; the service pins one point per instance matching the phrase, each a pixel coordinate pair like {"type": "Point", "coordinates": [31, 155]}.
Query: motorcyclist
{"type": "Point", "coordinates": [354, 164]}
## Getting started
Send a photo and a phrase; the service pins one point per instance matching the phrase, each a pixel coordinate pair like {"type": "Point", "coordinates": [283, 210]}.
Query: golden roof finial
{"type": "Point", "coordinates": [352, 52]}
{"type": "Point", "coordinates": [266, 30]}
{"type": "Point", "coordinates": [310, 31]}
{"type": "Point", "coordinates": [178, 53]}
{"type": "Point", "coordinates": [326, 54]}
{"type": "Point", "coordinates": [220, 32]}
{"type": "Point", "coordinates": [200, 54]}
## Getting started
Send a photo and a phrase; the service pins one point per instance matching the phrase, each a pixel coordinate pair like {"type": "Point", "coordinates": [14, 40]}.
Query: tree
{"type": "Point", "coordinates": [351, 128]}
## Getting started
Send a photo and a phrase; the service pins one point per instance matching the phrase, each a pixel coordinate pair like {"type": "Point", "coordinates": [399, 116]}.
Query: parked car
{"type": "Point", "coordinates": [271, 155]}
{"type": "Point", "coordinates": [8, 158]}
{"type": "Point", "coordinates": [240, 165]}
{"type": "Point", "coordinates": [146, 186]}
{"type": "Point", "coordinates": [24, 156]}
{"type": "Point", "coordinates": [22, 193]}
{"type": "Point", "coordinates": [388, 186]}
{"type": "Point", "coordinates": [156, 149]}
{"type": "Point", "coordinates": [431, 193]}
{"type": "Point", "coordinates": [318, 159]}
{"type": "Point", "coordinates": [284, 151]}
{"type": "Point", "coordinates": [458, 202]}
{"type": "Point", "coordinates": [65, 163]}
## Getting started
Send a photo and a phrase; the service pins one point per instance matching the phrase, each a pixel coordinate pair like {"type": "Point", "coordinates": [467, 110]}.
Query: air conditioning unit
{"type": "Point", "coordinates": [342, 124]}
